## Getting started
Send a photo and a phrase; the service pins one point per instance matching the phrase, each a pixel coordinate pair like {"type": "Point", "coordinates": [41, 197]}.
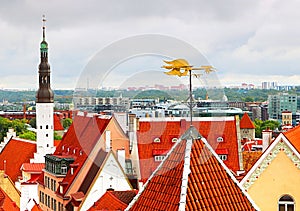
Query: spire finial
{"type": "Point", "coordinates": [44, 26]}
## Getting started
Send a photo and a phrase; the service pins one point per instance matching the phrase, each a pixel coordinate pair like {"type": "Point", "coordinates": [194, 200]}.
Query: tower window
{"type": "Point", "coordinates": [47, 135]}
{"type": "Point", "coordinates": [41, 127]}
{"type": "Point", "coordinates": [46, 126]}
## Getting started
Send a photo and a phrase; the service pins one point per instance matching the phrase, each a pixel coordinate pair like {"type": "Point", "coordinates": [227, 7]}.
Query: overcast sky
{"type": "Point", "coordinates": [247, 41]}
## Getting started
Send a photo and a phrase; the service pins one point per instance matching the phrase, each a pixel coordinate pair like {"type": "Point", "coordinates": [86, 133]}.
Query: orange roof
{"type": "Point", "coordinates": [15, 153]}
{"type": "Point", "coordinates": [6, 203]}
{"type": "Point", "coordinates": [57, 123]}
{"type": "Point", "coordinates": [250, 158]}
{"type": "Point", "coordinates": [246, 122]}
{"type": "Point", "coordinates": [33, 167]}
{"type": "Point", "coordinates": [193, 178]}
{"type": "Point", "coordinates": [79, 141]}
{"type": "Point", "coordinates": [114, 200]}
{"type": "Point", "coordinates": [293, 136]}
{"type": "Point", "coordinates": [167, 130]}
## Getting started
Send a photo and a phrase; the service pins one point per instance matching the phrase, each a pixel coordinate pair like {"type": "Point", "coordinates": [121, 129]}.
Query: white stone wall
{"type": "Point", "coordinates": [111, 176]}
{"type": "Point", "coordinates": [45, 129]}
{"type": "Point", "coordinates": [28, 191]}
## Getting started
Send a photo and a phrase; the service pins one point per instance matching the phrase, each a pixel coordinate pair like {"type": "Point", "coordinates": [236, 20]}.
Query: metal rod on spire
{"type": "Point", "coordinates": [191, 98]}
{"type": "Point", "coordinates": [44, 26]}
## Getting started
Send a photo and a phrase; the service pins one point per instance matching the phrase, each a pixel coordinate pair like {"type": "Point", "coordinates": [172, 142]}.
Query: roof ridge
{"type": "Point", "coordinates": [186, 169]}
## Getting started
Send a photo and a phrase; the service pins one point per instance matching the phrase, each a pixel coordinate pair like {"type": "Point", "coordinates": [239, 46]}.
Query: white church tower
{"type": "Point", "coordinates": [44, 107]}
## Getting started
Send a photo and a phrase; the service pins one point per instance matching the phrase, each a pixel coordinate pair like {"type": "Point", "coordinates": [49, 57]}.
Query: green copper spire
{"type": "Point", "coordinates": [44, 44]}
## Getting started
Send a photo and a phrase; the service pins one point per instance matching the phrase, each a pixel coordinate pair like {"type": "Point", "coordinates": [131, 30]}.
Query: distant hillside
{"type": "Point", "coordinates": [66, 96]}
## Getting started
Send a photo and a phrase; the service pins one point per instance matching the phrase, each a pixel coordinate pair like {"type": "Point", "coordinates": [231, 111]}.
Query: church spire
{"type": "Point", "coordinates": [44, 93]}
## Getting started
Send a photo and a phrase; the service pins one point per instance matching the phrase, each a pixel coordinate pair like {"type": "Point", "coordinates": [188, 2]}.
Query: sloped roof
{"type": "Point", "coordinates": [114, 200]}
{"type": "Point", "coordinates": [33, 167]}
{"type": "Point", "coordinates": [79, 141]}
{"type": "Point", "coordinates": [281, 143]}
{"type": "Point", "coordinates": [57, 123]}
{"type": "Point", "coordinates": [192, 177]}
{"type": "Point", "coordinates": [250, 158]}
{"type": "Point", "coordinates": [15, 153]}
{"type": "Point", "coordinates": [246, 122]}
{"type": "Point", "coordinates": [167, 129]}
{"type": "Point", "coordinates": [293, 136]}
{"type": "Point", "coordinates": [6, 203]}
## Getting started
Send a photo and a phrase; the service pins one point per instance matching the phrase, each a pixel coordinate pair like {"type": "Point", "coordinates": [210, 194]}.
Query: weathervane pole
{"type": "Point", "coordinates": [191, 98]}
{"type": "Point", "coordinates": [180, 67]}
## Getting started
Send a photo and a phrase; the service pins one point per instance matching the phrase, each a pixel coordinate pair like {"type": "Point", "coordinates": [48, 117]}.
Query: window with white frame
{"type": "Point", "coordinates": [223, 157]}
{"type": "Point", "coordinates": [174, 140]}
{"type": "Point", "coordinates": [220, 139]}
{"type": "Point", "coordinates": [286, 203]}
{"type": "Point", "coordinates": [64, 169]}
{"type": "Point", "coordinates": [156, 140]}
{"type": "Point", "coordinates": [159, 158]}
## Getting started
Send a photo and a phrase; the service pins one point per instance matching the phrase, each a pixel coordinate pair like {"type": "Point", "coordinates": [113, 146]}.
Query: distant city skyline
{"type": "Point", "coordinates": [247, 42]}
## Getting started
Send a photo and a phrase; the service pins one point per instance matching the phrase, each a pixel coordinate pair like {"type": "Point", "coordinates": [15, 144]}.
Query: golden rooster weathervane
{"type": "Point", "coordinates": [180, 67]}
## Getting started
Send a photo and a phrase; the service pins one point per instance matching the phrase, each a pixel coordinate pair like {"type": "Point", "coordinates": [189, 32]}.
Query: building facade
{"type": "Point", "coordinates": [280, 103]}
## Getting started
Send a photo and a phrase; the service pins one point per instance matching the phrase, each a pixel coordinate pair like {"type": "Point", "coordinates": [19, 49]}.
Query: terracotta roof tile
{"type": "Point", "coordinates": [250, 158]}
{"type": "Point", "coordinates": [57, 122]}
{"type": "Point", "coordinates": [33, 167]}
{"type": "Point", "coordinates": [6, 203]}
{"type": "Point", "coordinates": [167, 130]}
{"type": "Point", "coordinates": [293, 136]}
{"type": "Point", "coordinates": [24, 149]}
{"type": "Point", "coordinates": [81, 137]}
{"type": "Point", "coordinates": [246, 122]}
{"type": "Point", "coordinates": [211, 186]}
{"type": "Point", "coordinates": [114, 200]}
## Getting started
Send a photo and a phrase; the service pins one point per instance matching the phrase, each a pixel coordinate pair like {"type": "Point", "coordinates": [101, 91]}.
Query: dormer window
{"type": "Point", "coordinates": [156, 140]}
{"type": "Point", "coordinates": [220, 139]}
{"type": "Point", "coordinates": [223, 157]}
{"type": "Point", "coordinates": [64, 169]}
{"type": "Point", "coordinates": [174, 140]}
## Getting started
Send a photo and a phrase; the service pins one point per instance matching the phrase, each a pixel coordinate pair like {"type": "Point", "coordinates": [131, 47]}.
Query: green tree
{"type": "Point", "coordinates": [29, 135]}
{"type": "Point", "coordinates": [32, 122]}
{"type": "Point", "coordinates": [67, 122]}
{"type": "Point", "coordinates": [19, 126]}
{"type": "Point", "coordinates": [57, 137]}
{"type": "Point", "coordinates": [263, 125]}
{"type": "Point", "coordinates": [4, 125]}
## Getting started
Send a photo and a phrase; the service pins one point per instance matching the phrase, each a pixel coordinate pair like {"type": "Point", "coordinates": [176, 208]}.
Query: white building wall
{"type": "Point", "coordinates": [111, 176]}
{"type": "Point", "coordinates": [28, 191]}
{"type": "Point", "coordinates": [45, 130]}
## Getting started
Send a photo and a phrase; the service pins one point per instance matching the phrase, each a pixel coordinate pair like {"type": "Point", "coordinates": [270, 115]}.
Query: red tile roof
{"type": "Point", "coordinates": [293, 136]}
{"type": "Point", "coordinates": [6, 203]}
{"type": "Point", "coordinates": [246, 122]}
{"type": "Point", "coordinates": [57, 122]}
{"type": "Point", "coordinates": [15, 153]}
{"type": "Point", "coordinates": [210, 128]}
{"type": "Point", "coordinates": [250, 158]}
{"type": "Point", "coordinates": [210, 185]}
{"type": "Point", "coordinates": [80, 138]}
{"type": "Point", "coordinates": [33, 167]}
{"type": "Point", "coordinates": [114, 200]}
